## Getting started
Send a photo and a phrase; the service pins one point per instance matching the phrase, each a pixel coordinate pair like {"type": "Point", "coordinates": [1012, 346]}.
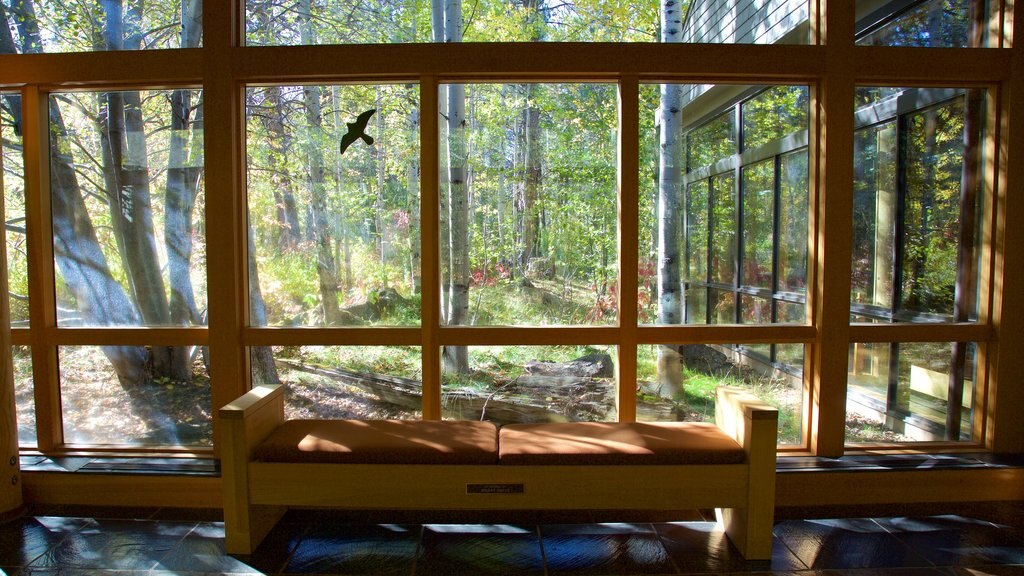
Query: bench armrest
{"type": "Point", "coordinates": [250, 418]}
{"type": "Point", "coordinates": [739, 413]}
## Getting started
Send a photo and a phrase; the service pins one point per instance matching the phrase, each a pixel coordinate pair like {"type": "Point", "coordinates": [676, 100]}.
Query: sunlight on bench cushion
{"type": "Point", "coordinates": [381, 442]}
{"type": "Point", "coordinates": [604, 443]}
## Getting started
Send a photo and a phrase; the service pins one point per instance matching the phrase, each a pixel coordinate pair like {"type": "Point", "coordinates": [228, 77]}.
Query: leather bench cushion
{"type": "Point", "coordinates": [600, 443]}
{"type": "Point", "coordinates": [381, 442]}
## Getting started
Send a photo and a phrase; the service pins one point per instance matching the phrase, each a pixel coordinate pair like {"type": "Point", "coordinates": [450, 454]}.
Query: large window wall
{"type": "Point", "coordinates": [498, 246]}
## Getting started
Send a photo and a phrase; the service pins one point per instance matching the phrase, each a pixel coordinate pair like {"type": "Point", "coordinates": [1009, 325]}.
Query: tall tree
{"type": "Point", "coordinates": [325, 266]}
{"type": "Point", "coordinates": [670, 375]}
{"type": "Point", "coordinates": [183, 179]}
{"type": "Point", "coordinates": [456, 358]}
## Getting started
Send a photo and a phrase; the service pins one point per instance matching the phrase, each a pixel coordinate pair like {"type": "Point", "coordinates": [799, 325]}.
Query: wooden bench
{"type": "Point", "coordinates": [269, 464]}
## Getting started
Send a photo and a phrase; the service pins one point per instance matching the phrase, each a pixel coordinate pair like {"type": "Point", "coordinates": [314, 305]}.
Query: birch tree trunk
{"type": "Point", "coordinates": [456, 358]}
{"type": "Point", "coordinates": [670, 374]}
{"type": "Point", "coordinates": [180, 199]}
{"type": "Point", "coordinates": [437, 20]}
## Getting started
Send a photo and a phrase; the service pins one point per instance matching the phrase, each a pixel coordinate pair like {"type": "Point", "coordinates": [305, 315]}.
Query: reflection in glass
{"type": "Point", "coordinates": [349, 382]}
{"type": "Point", "coordinates": [529, 205]}
{"type": "Point", "coordinates": [755, 310]}
{"type": "Point", "coordinates": [874, 215]}
{"type": "Point", "coordinates": [723, 229]}
{"type": "Point", "coordinates": [902, 392]}
{"type": "Point", "coordinates": [918, 205]}
{"type": "Point", "coordinates": [13, 180]}
{"type": "Point", "coordinates": [97, 409]}
{"type": "Point", "coordinates": [774, 114]}
{"type": "Point", "coordinates": [697, 230]}
{"type": "Point", "coordinates": [509, 384]}
{"type": "Point", "coordinates": [723, 307]}
{"type": "Point", "coordinates": [711, 142]}
{"type": "Point", "coordinates": [707, 366]}
{"type": "Point", "coordinates": [334, 235]}
{"type": "Point", "coordinates": [933, 24]}
{"type": "Point", "coordinates": [758, 224]}
{"type": "Point", "coordinates": [24, 395]}
{"type": "Point", "coordinates": [794, 213]}
{"type": "Point", "coordinates": [696, 305]}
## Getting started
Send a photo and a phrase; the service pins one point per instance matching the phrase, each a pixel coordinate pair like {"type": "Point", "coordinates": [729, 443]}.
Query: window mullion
{"type": "Point", "coordinates": [430, 318]}
{"type": "Point", "coordinates": [42, 312]}
{"type": "Point", "coordinates": [629, 237]}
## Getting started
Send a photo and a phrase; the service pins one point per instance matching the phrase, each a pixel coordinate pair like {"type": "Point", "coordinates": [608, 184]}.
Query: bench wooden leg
{"type": "Point", "coordinates": [244, 531]}
{"type": "Point", "coordinates": [748, 530]}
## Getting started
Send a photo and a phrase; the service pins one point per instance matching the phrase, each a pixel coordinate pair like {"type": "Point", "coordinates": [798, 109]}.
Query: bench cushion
{"type": "Point", "coordinates": [594, 443]}
{"type": "Point", "coordinates": [381, 442]}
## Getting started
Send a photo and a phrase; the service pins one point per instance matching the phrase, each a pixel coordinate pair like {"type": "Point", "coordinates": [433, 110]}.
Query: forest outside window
{"type": "Point", "coordinates": [270, 22]}
{"type": "Point", "coordinates": [528, 205]}
{"type": "Point", "coordinates": [527, 246]}
{"type": "Point", "coordinates": [334, 234]}
{"type": "Point", "coordinates": [61, 26]}
{"type": "Point", "coordinates": [128, 224]}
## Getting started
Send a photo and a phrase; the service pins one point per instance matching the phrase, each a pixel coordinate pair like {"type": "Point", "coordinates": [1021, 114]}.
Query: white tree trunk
{"type": "Point", "coordinates": [670, 376]}
{"type": "Point", "coordinates": [457, 357]}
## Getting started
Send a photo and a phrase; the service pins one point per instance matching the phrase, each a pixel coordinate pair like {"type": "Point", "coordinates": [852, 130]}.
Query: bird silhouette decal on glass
{"type": "Point", "coordinates": [357, 130]}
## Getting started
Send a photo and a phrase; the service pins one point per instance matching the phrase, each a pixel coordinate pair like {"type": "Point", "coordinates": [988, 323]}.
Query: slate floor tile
{"type": "Point", "coordinates": [277, 547]}
{"type": "Point", "coordinates": [355, 549]}
{"type": "Point", "coordinates": [114, 545]}
{"type": "Point", "coordinates": [1015, 570]}
{"type": "Point", "coordinates": [958, 541]}
{"type": "Point", "coordinates": [27, 538]}
{"type": "Point", "coordinates": [480, 550]}
{"type": "Point", "coordinates": [202, 550]}
{"type": "Point", "coordinates": [703, 547]}
{"type": "Point", "coordinates": [604, 549]}
{"type": "Point", "coordinates": [846, 544]}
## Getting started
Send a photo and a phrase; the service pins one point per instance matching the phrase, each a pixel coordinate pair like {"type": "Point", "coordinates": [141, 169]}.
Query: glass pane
{"type": "Point", "coordinates": [697, 199]}
{"type": "Point", "coordinates": [395, 21]}
{"type": "Point", "coordinates": [902, 392]}
{"type": "Point", "coordinates": [758, 224]}
{"type": "Point", "coordinates": [755, 310]}
{"type": "Point", "coordinates": [529, 208]}
{"type": "Point", "coordinates": [790, 312]}
{"type": "Point", "coordinates": [932, 209]}
{"type": "Point", "coordinates": [509, 384]}
{"type": "Point", "coordinates": [103, 402]}
{"type": "Point", "coordinates": [723, 229]}
{"type": "Point", "coordinates": [352, 382]}
{"type": "Point", "coordinates": [711, 142]}
{"type": "Point", "coordinates": [24, 395]}
{"type": "Point", "coordinates": [52, 26]}
{"type": "Point", "coordinates": [700, 368]}
{"type": "Point", "coordinates": [697, 305]}
{"type": "Point", "coordinates": [12, 180]}
{"type": "Point", "coordinates": [128, 208]}
{"type": "Point", "coordinates": [333, 197]}
{"type": "Point", "coordinates": [874, 215]}
{"type": "Point", "coordinates": [774, 114]}
{"type": "Point", "coordinates": [934, 23]}
{"type": "Point", "coordinates": [794, 212]}
{"type": "Point", "coordinates": [918, 204]}
{"type": "Point", "coordinates": [723, 307]}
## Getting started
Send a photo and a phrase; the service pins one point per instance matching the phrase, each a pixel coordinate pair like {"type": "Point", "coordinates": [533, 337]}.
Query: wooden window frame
{"type": "Point", "coordinates": [831, 64]}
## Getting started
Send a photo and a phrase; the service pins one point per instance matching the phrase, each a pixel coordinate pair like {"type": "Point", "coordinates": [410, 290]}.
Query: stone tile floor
{"type": "Point", "coordinates": [166, 542]}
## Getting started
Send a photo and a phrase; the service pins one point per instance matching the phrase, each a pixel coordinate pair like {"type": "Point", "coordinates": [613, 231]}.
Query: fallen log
{"type": "Point", "coordinates": [527, 398]}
